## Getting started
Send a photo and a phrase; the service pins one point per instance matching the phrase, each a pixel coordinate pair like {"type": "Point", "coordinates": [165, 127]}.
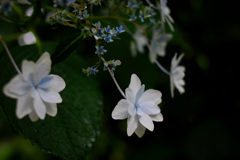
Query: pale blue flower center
{"type": "Point", "coordinates": [137, 106]}
{"type": "Point", "coordinates": [43, 82]}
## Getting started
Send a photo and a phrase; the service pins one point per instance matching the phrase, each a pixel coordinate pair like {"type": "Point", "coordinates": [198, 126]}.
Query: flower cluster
{"type": "Point", "coordinates": [135, 7]}
{"type": "Point", "coordinates": [35, 90]}
{"type": "Point", "coordinates": [106, 33]}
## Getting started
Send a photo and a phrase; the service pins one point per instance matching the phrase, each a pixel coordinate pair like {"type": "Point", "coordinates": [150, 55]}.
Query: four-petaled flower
{"type": "Point", "coordinates": [140, 108]}
{"type": "Point", "coordinates": [35, 90]}
{"type": "Point", "coordinates": [158, 44]}
{"type": "Point", "coordinates": [177, 74]}
{"type": "Point", "coordinates": [100, 50]}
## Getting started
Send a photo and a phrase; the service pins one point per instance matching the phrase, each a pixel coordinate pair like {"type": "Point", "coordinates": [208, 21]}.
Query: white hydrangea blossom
{"type": "Point", "coordinates": [140, 108]}
{"type": "Point", "coordinates": [27, 39]}
{"type": "Point", "coordinates": [158, 44]}
{"type": "Point", "coordinates": [35, 90]}
{"type": "Point", "coordinates": [177, 74]}
{"type": "Point", "coordinates": [139, 43]}
{"type": "Point", "coordinates": [165, 13]}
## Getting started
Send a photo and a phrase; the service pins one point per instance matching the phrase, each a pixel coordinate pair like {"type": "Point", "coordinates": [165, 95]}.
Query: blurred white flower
{"type": "Point", "coordinates": [35, 90]}
{"type": "Point", "coordinates": [23, 1]}
{"type": "Point", "coordinates": [140, 108]}
{"type": "Point", "coordinates": [165, 13]}
{"type": "Point", "coordinates": [177, 74]}
{"type": "Point", "coordinates": [158, 44]}
{"type": "Point", "coordinates": [26, 39]}
{"type": "Point", "coordinates": [139, 42]}
{"type": "Point", "coordinates": [29, 11]}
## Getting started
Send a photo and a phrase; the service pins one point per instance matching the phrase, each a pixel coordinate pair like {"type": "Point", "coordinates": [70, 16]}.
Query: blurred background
{"type": "Point", "coordinates": [201, 124]}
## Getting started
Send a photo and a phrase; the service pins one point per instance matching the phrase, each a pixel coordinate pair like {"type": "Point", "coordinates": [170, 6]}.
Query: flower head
{"type": "Point", "coordinates": [177, 75]}
{"type": "Point", "coordinates": [140, 108]}
{"type": "Point", "coordinates": [35, 90]}
{"type": "Point", "coordinates": [158, 44]}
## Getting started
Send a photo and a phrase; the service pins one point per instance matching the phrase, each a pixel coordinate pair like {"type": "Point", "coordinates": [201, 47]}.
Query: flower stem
{"type": "Point", "coordinates": [114, 79]}
{"type": "Point", "coordinates": [10, 56]}
{"type": "Point", "coordinates": [162, 68]}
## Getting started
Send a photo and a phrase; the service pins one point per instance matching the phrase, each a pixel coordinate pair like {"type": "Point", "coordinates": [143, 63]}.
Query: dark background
{"type": "Point", "coordinates": [201, 124]}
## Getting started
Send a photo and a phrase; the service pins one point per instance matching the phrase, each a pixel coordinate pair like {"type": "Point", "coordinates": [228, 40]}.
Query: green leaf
{"type": "Point", "coordinates": [72, 132]}
{"type": "Point", "coordinates": [65, 48]}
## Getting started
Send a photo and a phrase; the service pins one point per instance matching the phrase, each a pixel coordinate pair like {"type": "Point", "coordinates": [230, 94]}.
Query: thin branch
{"type": "Point", "coordinates": [10, 56]}
{"type": "Point", "coordinates": [114, 79]}
{"type": "Point", "coordinates": [162, 68]}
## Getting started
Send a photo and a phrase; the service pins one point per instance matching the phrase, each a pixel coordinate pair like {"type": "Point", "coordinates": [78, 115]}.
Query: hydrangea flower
{"type": "Point", "coordinates": [140, 40]}
{"type": "Point", "coordinates": [158, 44]}
{"type": "Point", "coordinates": [35, 90]}
{"type": "Point", "coordinates": [139, 108]}
{"type": "Point", "coordinates": [26, 39]}
{"type": "Point", "coordinates": [165, 13]}
{"type": "Point", "coordinates": [100, 49]}
{"type": "Point", "coordinates": [177, 74]}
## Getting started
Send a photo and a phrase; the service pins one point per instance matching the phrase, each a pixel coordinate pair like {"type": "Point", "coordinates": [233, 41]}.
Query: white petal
{"type": "Point", "coordinates": [135, 84]}
{"type": "Point", "coordinates": [145, 120]}
{"type": "Point", "coordinates": [179, 87]}
{"type": "Point", "coordinates": [28, 68]}
{"type": "Point", "coordinates": [149, 108]}
{"type": "Point", "coordinates": [33, 116]}
{"type": "Point", "coordinates": [50, 96]}
{"type": "Point", "coordinates": [133, 49]}
{"type": "Point", "coordinates": [140, 130]}
{"type": "Point", "coordinates": [121, 110]}
{"type": "Point", "coordinates": [153, 55]}
{"type": "Point", "coordinates": [157, 118]}
{"type": "Point", "coordinates": [132, 123]}
{"type": "Point", "coordinates": [46, 82]}
{"type": "Point", "coordinates": [43, 65]}
{"type": "Point", "coordinates": [27, 38]}
{"type": "Point", "coordinates": [139, 93]}
{"type": "Point", "coordinates": [131, 109]}
{"type": "Point", "coordinates": [16, 87]}
{"type": "Point", "coordinates": [152, 96]}
{"type": "Point", "coordinates": [24, 106]}
{"type": "Point", "coordinates": [58, 83]}
{"type": "Point", "coordinates": [39, 106]}
{"type": "Point", "coordinates": [51, 109]}
{"type": "Point", "coordinates": [130, 95]}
